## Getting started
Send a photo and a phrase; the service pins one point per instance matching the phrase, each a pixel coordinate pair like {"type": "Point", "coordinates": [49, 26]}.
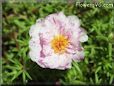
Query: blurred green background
{"type": "Point", "coordinates": [98, 65]}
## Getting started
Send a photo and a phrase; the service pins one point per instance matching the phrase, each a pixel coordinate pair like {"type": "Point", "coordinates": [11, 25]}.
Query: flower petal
{"type": "Point", "coordinates": [57, 61]}
{"type": "Point", "coordinates": [83, 38]}
{"type": "Point", "coordinates": [35, 29]}
{"type": "Point", "coordinates": [47, 50]}
{"type": "Point", "coordinates": [51, 61]}
{"type": "Point", "coordinates": [74, 21]}
{"type": "Point", "coordinates": [35, 49]}
{"type": "Point", "coordinates": [57, 19]}
{"type": "Point", "coordinates": [82, 35]}
{"type": "Point", "coordinates": [64, 61]}
{"type": "Point", "coordinates": [78, 56]}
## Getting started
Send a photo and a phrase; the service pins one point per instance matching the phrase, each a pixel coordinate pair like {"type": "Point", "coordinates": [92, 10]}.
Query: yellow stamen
{"type": "Point", "coordinates": [59, 43]}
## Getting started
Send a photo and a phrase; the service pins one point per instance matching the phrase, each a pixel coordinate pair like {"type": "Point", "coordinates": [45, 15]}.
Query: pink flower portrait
{"type": "Point", "coordinates": [56, 41]}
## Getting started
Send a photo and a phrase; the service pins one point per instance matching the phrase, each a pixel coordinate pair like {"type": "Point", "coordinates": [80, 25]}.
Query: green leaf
{"type": "Point", "coordinates": [77, 82]}
{"type": "Point", "coordinates": [110, 49]}
{"type": "Point", "coordinates": [11, 67]}
{"type": "Point", "coordinates": [98, 69]}
{"type": "Point", "coordinates": [96, 78]}
{"type": "Point", "coordinates": [24, 76]}
{"type": "Point", "coordinates": [27, 74]}
{"type": "Point", "coordinates": [16, 75]}
{"type": "Point", "coordinates": [111, 79]}
{"type": "Point", "coordinates": [100, 37]}
{"type": "Point", "coordinates": [91, 81]}
{"type": "Point", "coordinates": [77, 68]}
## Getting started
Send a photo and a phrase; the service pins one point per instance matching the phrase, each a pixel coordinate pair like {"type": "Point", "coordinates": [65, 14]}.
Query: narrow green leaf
{"type": "Point", "coordinates": [16, 75]}
{"type": "Point", "coordinates": [111, 79]}
{"type": "Point", "coordinates": [24, 76]}
{"type": "Point", "coordinates": [27, 74]}
{"type": "Point", "coordinates": [11, 67]}
{"type": "Point", "coordinates": [102, 38]}
{"type": "Point", "coordinates": [98, 69]}
{"type": "Point", "coordinates": [77, 82]}
{"type": "Point", "coordinates": [96, 78]}
{"type": "Point", "coordinates": [91, 81]}
{"type": "Point", "coordinates": [77, 68]}
{"type": "Point", "coordinates": [110, 49]}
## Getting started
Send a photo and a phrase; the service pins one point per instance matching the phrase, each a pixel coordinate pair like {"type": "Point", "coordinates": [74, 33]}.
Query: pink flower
{"type": "Point", "coordinates": [56, 41]}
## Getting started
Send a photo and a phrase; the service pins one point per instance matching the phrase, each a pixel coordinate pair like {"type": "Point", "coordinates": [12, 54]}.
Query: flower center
{"type": "Point", "coordinates": [59, 43]}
